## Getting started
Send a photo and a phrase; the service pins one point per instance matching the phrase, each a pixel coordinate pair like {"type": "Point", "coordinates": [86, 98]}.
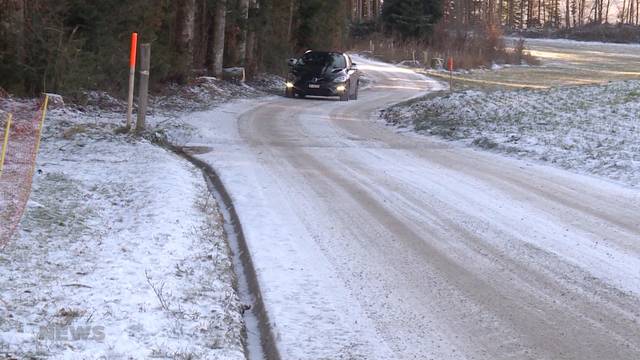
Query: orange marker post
{"type": "Point", "coordinates": [132, 75]}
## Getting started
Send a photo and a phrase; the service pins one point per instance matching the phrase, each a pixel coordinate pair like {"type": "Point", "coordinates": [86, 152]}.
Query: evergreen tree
{"type": "Point", "coordinates": [411, 19]}
{"type": "Point", "coordinates": [321, 24]}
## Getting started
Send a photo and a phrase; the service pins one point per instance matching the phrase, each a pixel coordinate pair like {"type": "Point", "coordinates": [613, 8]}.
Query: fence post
{"type": "Point", "coordinates": [143, 90]}
{"type": "Point", "coordinates": [41, 125]}
{"type": "Point", "coordinates": [5, 143]}
{"type": "Point", "coordinates": [450, 66]}
{"type": "Point", "coordinates": [132, 76]}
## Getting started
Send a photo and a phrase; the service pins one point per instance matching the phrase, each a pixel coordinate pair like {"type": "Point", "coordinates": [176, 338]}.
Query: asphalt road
{"type": "Point", "coordinates": [373, 244]}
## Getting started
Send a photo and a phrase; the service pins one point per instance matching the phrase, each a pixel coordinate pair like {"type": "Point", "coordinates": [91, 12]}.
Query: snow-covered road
{"type": "Point", "coordinates": [370, 244]}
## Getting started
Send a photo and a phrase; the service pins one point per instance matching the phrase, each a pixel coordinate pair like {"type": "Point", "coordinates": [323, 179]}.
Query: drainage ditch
{"type": "Point", "coordinates": [260, 341]}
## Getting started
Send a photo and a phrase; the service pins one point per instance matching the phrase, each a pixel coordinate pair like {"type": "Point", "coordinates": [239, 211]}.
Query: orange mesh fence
{"type": "Point", "coordinates": [20, 160]}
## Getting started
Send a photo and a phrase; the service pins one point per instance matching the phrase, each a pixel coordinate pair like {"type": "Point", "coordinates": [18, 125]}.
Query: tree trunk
{"type": "Point", "coordinates": [242, 43]}
{"type": "Point", "coordinates": [219, 22]}
{"type": "Point", "coordinates": [201, 35]}
{"type": "Point", "coordinates": [376, 8]}
{"type": "Point", "coordinates": [185, 27]}
{"type": "Point", "coordinates": [510, 21]}
{"type": "Point", "coordinates": [522, 14]}
{"type": "Point", "coordinates": [369, 9]}
{"type": "Point", "coordinates": [489, 15]}
{"type": "Point", "coordinates": [250, 61]}
{"type": "Point", "coordinates": [540, 19]}
{"type": "Point", "coordinates": [290, 22]}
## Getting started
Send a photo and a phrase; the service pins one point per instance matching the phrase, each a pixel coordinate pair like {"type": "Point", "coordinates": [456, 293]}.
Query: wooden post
{"type": "Point", "coordinates": [5, 143]}
{"type": "Point", "coordinates": [450, 66]}
{"type": "Point", "coordinates": [45, 105]}
{"type": "Point", "coordinates": [132, 76]}
{"type": "Point", "coordinates": [143, 89]}
{"type": "Point", "coordinates": [39, 136]}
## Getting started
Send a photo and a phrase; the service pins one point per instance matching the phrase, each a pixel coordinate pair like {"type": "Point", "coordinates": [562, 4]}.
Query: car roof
{"type": "Point", "coordinates": [323, 52]}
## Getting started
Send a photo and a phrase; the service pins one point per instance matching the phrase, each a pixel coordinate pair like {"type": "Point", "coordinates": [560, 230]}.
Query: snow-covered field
{"type": "Point", "coordinates": [564, 62]}
{"type": "Point", "coordinates": [120, 255]}
{"type": "Point", "coordinates": [592, 129]}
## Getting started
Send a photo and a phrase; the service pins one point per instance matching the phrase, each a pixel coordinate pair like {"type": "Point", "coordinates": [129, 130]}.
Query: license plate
{"type": "Point", "coordinates": [312, 86]}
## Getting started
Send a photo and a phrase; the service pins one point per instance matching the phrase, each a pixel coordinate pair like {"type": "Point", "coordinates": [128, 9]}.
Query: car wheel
{"type": "Point", "coordinates": [355, 93]}
{"type": "Point", "coordinates": [301, 95]}
{"type": "Point", "coordinates": [345, 96]}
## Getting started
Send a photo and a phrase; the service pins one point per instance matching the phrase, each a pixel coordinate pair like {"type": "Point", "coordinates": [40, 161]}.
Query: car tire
{"type": "Point", "coordinates": [345, 96]}
{"type": "Point", "coordinates": [355, 93]}
{"type": "Point", "coordinates": [301, 95]}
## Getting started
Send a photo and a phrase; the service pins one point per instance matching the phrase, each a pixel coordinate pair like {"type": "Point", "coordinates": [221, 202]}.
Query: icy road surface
{"type": "Point", "coordinates": [371, 244]}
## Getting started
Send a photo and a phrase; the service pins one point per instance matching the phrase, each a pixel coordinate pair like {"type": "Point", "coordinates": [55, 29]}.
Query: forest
{"type": "Point", "coordinates": [70, 45]}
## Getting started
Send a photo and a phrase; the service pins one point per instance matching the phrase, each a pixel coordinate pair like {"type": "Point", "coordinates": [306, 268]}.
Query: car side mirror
{"type": "Point", "coordinates": [354, 66]}
{"type": "Point", "coordinates": [292, 62]}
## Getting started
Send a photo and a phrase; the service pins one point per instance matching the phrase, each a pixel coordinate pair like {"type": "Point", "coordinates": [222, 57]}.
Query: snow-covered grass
{"type": "Point", "coordinates": [120, 254]}
{"type": "Point", "coordinates": [593, 129]}
{"type": "Point", "coordinates": [206, 92]}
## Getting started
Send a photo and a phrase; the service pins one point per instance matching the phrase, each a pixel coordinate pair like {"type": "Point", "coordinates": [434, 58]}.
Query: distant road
{"type": "Point", "coordinates": [370, 244]}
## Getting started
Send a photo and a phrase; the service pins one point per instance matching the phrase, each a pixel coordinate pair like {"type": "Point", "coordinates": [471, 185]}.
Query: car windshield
{"type": "Point", "coordinates": [321, 61]}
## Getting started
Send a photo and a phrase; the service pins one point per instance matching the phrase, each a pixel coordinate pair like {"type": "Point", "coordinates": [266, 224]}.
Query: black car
{"type": "Point", "coordinates": [323, 73]}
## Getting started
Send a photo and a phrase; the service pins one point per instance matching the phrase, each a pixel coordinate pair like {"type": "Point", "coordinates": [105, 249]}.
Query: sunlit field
{"type": "Point", "coordinates": [564, 62]}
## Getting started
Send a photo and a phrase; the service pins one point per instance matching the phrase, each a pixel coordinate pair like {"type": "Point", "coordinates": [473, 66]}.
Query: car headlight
{"type": "Point", "coordinates": [341, 78]}
{"type": "Point", "coordinates": [289, 84]}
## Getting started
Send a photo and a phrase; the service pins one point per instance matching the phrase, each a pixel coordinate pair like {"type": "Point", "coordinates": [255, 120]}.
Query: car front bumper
{"type": "Point", "coordinates": [320, 89]}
